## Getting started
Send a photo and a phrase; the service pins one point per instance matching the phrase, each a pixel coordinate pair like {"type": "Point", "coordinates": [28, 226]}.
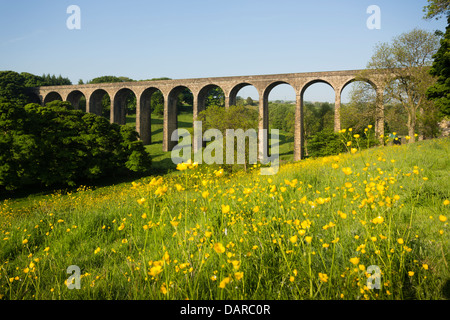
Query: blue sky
{"type": "Point", "coordinates": [190, 39]}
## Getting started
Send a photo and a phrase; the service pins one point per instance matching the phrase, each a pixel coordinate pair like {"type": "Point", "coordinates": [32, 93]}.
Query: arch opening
{"type": "Point", "coordinates": [244, 94]}
{"type": "Point", "coordinates": [178, 113]}
{"type": "Point", "coordinates": [52, 96]}
{"type": "Point", "coordinates": [77, 99]}
{"type": "Point", "coordinates": [318, 112]}
{"type": "Point", "coordinates": [358, 105]}
{"type": "Point", "coordinates": [281, 101]}
{"type": "Point", "coordinates": [100, 103]}
{"type": "Point", "coordinates": [124, 107]}
{"type": "Point", "coordinates": [149, 122]}
{"type": "Point", "coordinates": [210, 95]}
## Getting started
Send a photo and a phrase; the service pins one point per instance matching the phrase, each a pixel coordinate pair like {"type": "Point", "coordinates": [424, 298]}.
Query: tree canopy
{"type": "Point", "coordinates": [110, 79]}
{"type": "Point", "coordinates": [403, 67]}
{"type": "Point", "coordinates": [436, 9]}
{"type": "Point", "coordinates": [56, 145]}
{"type": "Point", "coordinates": [440, 91]}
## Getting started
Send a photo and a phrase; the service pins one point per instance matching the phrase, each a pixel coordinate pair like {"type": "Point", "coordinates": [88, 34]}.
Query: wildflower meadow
{"type": "Point", "coordinates": [324, 228]}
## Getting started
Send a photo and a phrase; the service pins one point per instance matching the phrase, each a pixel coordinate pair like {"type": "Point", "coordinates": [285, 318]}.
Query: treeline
{"type": "Point", "coordinates": [54, 145]}
{"type": "Point", "coordinates": [13, 85]}
{"type": "Point", "coordinates": [32, 80]}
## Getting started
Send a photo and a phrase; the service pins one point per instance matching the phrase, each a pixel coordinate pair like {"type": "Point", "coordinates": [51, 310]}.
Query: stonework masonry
{"type": "Point", "coordinates": [143, 90]}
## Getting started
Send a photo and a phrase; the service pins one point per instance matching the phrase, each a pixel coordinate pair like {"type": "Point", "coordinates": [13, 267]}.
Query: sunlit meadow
{"type": "Point", "coordinates": [309, 232]}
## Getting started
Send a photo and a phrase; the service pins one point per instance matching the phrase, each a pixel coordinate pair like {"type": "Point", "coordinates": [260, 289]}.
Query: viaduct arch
{"type": "Point", "coordinates": [143, 90]}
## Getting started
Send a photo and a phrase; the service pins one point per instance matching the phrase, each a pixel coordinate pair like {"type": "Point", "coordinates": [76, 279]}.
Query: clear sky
{"type": "Point", "coordinates": [143, 39]}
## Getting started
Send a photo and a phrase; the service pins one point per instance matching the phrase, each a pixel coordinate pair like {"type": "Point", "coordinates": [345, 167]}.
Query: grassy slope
{"type": "Point", "coordinates": [169, 244]}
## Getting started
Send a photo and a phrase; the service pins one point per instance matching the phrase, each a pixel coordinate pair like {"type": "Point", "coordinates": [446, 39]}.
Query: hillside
{"type": "Point", "coordinates": [312, 231]}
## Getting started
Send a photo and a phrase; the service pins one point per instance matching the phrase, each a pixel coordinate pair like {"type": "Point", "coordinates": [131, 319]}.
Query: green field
{"type": "Point", "coordinates": [312, 231]}
{"type": "Point", "coordinates": [161, 160]}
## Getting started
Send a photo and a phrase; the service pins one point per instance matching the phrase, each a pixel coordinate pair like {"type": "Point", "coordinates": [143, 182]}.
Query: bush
{"type": "Point", "coordinates": [325, 143]}
{"type": "Point", "coordinates": [55, 145]}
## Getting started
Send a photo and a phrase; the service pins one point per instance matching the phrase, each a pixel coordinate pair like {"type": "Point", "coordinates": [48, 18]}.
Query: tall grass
{"type": "Point", "coordinates": [309, 232]}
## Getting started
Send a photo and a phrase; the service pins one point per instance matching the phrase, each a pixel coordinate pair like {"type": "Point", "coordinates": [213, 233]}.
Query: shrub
{"type": "Point", "coordinates": [325, 143]}
{"type": "Point", "coordinates": [55, 145]}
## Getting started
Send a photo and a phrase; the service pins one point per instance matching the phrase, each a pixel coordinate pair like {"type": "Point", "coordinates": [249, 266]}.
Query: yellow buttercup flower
{"type": "Point", "coordinates": [293, 239]}
{"type": "Point", "coordinates": [141, 200]}
{"type": "Point", "coordinates": [219, 248]}
{"type": "Point", "coordinates": [121, 227]}
{"type": "Point", "coordinates": [193, 165]}
{"type": "Point", "coordinates": [236, 264]}
{"type": "Point", "coordinates": [323, 277]}
{"type": "Point", "coordinates": [446, 202]}
{"type": "Point", "coordinates": [442, 218]}
{"type": "Point", "coordinates": [354, 260]}
{"type": "Point", "coordinates": [347, 170]}
{"type": "Point", "coordinates": [224, 282]}
{"type": "Point", "coordinates": [154, 271]}
{"type": "Point", "coordinates": [97, 250]}
{"type": "Point", "coordinates": [400, 241]}
{"type": "Point", "coordinates": [182, 166]}
{"type": "Point", "coordinates": [156, 182]}
{"type": "Point", "coordinates": [238, 275]}
{"type": "Point", "coordinates": [378, 220]}
{"type": "Point", "coordinates": [161, 190]}
{"type": "Point", "coordinates": [163, 289]}
{"type": "Point", "coordinates": [308, 239]}
{"type": "Point", "coordinates": [225, 208]}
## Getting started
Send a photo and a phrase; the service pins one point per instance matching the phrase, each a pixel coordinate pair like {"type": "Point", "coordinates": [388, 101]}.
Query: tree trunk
{"type": "Point", "coordinates": [411, 125]}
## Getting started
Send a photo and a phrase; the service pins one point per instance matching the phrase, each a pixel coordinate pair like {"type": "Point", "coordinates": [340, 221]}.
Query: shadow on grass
{"type": "Point", "coordinates": [161, 167]}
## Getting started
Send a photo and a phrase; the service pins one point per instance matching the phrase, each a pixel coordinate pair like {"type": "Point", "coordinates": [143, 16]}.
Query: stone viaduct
{"type": "Point", "coordinates": [200, 87]}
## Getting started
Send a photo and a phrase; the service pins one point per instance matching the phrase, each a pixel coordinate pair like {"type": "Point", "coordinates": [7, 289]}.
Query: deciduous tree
{"type": "Point", "coordinates": [403, 68]}
{"type": "Point", "coordinates": [440, 91]}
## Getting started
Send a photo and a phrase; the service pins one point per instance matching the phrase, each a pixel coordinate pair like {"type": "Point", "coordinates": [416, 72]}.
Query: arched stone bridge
{"type": "Point", "coordinates": [200, 87]}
